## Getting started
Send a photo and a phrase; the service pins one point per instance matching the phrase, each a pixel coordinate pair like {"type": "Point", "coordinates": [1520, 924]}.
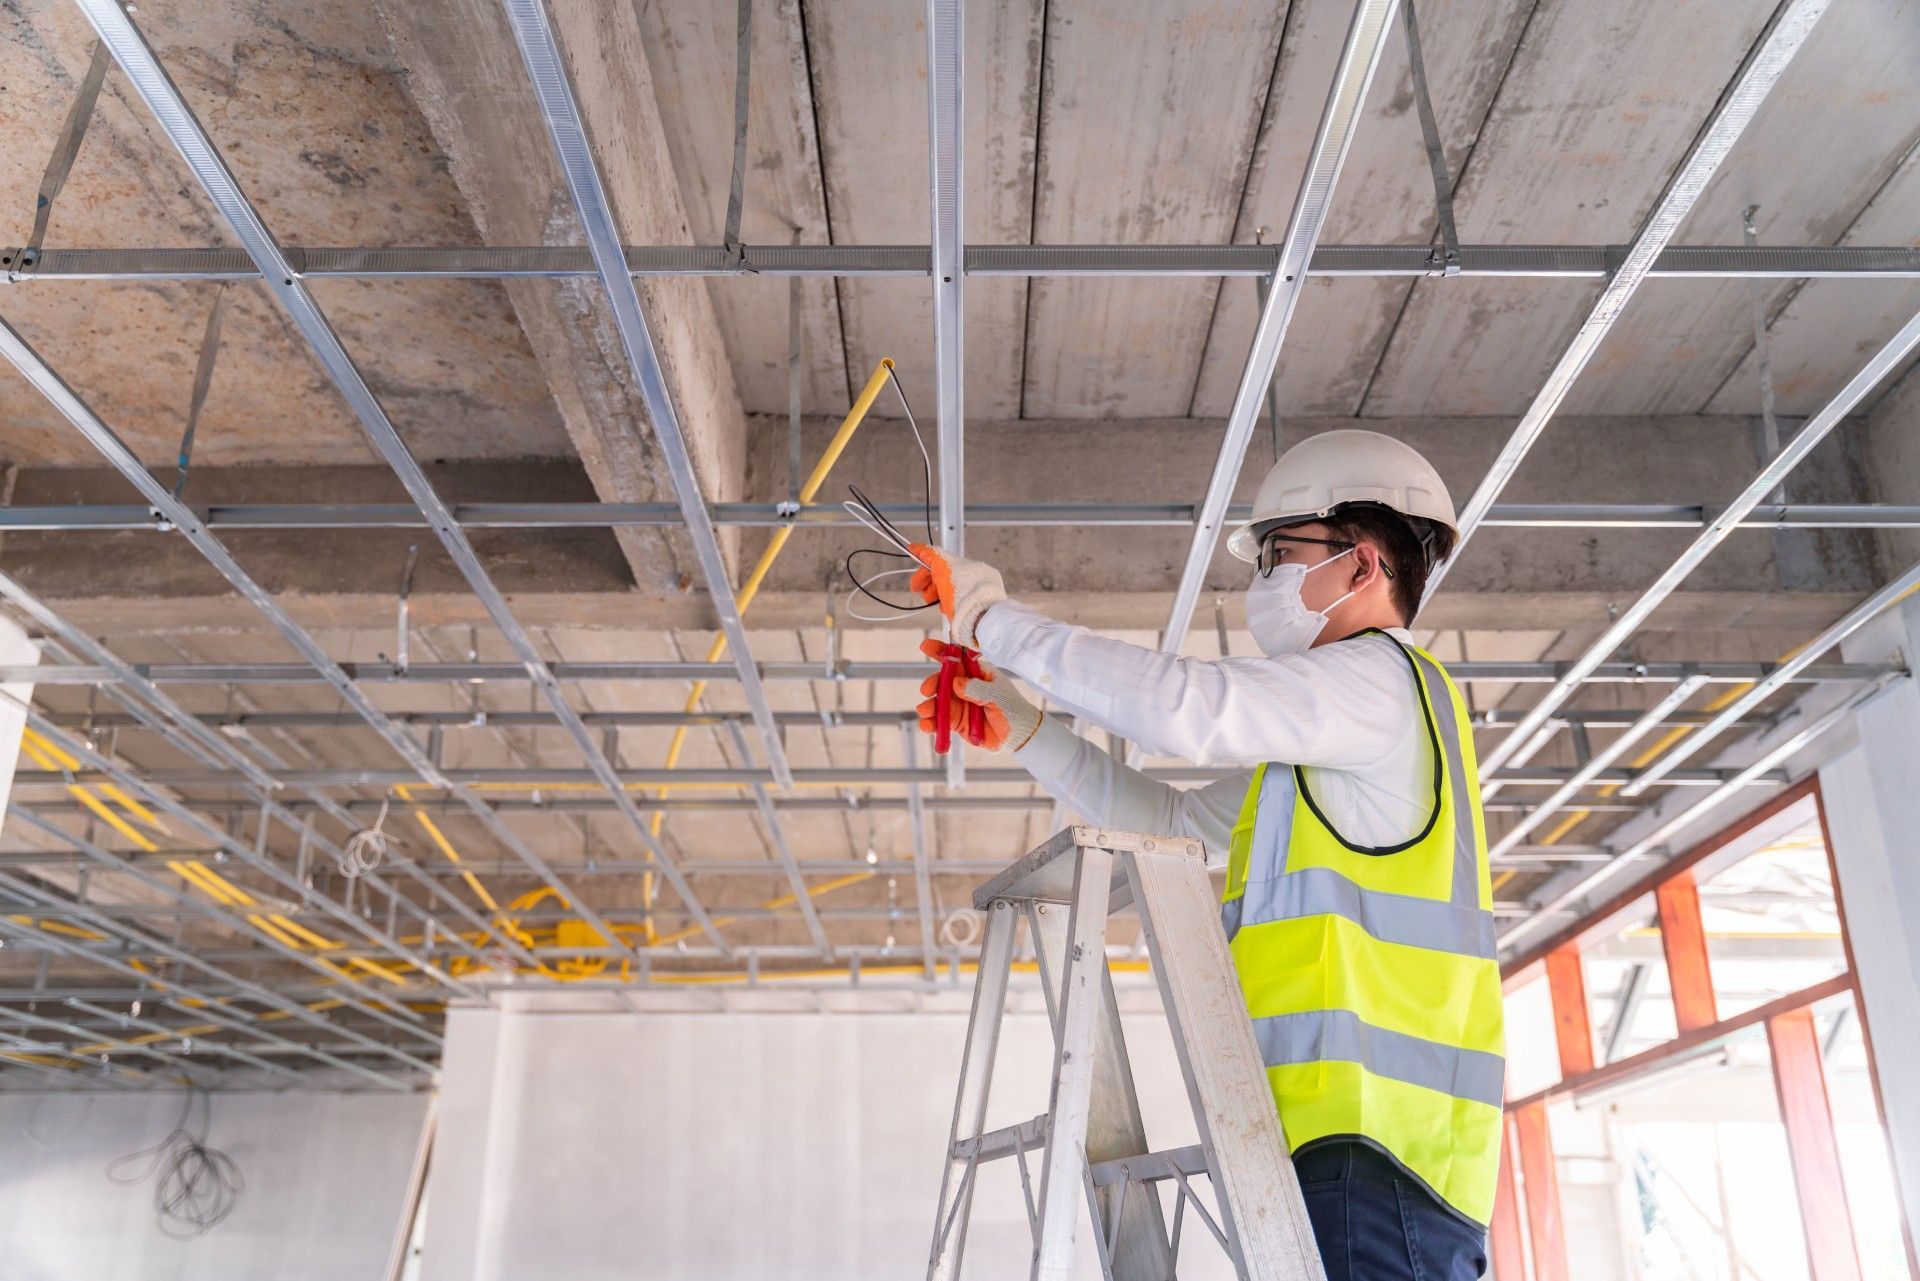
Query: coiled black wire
{"type": "Point", "coordinates": [196, 1186]}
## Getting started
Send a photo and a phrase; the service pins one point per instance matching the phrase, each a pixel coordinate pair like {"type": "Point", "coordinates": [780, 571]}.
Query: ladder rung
{"type": "Point", "coordinates": [994, 1144]}
{"type": "Point", "coordinates": [1149, 1167]}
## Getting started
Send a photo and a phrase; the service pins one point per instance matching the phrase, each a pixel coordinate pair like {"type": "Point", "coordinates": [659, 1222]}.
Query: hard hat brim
{"type": "Point", "coordinates": [1245, 541]}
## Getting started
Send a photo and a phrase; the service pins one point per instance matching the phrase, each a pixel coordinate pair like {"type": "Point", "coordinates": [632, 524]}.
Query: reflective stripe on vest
{"type": "Point", "coordinates": [1328, 939]}
{"type": "Point", "coordinates": [1317, 1035]}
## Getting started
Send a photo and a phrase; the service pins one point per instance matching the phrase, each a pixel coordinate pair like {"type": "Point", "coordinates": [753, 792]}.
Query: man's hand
{"type": "Point", "coordinates": [1011, 719]}
{"type": "Point", "coordinates": [964, 588]}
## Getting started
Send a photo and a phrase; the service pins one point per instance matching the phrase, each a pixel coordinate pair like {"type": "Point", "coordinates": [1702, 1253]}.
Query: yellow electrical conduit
{"type": "Point", "coordinates": [579, 933]}
{"type": "Point", "coordinates": [723, 977]}
{"type": "Point", "coordinates": [50, 755]}
{"type": "Point", "coordinates": [1652, 753]}
{"type": "Point", "coordinates": [150, 1038]}
{"type": "Point", "coordinates": [571, 932]}
{"type": "Point", "coordinates": [751, 587]}
{"type": "Point", "coordinates": [566, 933]}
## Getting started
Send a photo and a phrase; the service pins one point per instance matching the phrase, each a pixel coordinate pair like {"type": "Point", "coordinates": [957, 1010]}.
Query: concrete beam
{"type": "Point", "coordinates": [166, 570]}
{"type": "Point", "coordinates": [1548, 580]}
{"type": "Point", "coordinates": [868, 65]}
{"type": "Point", "coordinates": [1167, 460]}
{"type": "Point", "coordinates": [467, 79]}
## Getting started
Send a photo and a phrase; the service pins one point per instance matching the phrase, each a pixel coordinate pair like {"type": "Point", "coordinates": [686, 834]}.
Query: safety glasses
{"type": "Point", "coordinates": [1270, 549]}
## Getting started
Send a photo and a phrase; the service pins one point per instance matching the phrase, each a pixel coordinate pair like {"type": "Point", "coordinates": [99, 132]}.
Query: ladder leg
{"type": "Point", "coordinates": [1085, 962]}
{"type": "Point", "coordinates": [1253, 1177]}
{"type": "Point", "coordinates": [970, 1105]}
{"type": "Point", "coordinates": [1140, 1251]}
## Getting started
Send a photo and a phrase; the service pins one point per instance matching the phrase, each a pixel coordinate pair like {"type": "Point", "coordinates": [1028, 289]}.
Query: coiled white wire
{"type": "Point", "coordinates": [367, 849]}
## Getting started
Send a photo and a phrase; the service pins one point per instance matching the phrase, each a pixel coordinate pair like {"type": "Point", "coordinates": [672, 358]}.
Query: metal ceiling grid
{"type": "Point", "coordinates": [945, 263]}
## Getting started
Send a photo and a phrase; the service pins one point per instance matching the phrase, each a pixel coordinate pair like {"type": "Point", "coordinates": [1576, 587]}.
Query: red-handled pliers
{"type": "Point", "coordinates": [956, 660]}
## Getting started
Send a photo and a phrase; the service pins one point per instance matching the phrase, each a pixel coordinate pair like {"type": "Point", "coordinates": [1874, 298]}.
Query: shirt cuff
{"type": "Point", "coordinates": [1050, 751]}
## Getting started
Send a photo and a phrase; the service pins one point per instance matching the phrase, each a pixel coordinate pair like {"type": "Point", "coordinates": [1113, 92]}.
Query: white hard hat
{"type": "Point", "coordinates": [1335, 467]}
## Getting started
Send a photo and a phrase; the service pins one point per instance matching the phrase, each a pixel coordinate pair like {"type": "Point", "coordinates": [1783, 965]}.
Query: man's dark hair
{"type": "Point", "coordinates": [1409, 546]}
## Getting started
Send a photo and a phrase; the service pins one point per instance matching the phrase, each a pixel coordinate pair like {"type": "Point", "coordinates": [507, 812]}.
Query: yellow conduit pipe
{"type": "Point", "coordinates": [751, 587]}
{"type": "Point", "coordinates": [58, 927]}
{"type": "Point", "coordinates": [503, 929]}
{"type": "Point", "coordinates": [722, 977]}
{"type": "Point", "coordinates": [785, 900]}
{"type": "Point", "coordinates": [1573, 818]}
{"type": "Point", "coordinates": [288, 933]}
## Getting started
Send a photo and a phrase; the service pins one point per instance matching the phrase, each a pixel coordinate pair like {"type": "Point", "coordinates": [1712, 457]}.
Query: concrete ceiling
{"type": "Point", "coordinates": [1562, 124]}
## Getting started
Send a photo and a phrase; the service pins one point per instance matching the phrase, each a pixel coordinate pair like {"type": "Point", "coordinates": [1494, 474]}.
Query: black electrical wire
{"type": "Point", "coordinates": [886, 527]}
{"type": "Point", "coordinates": [196, 1185]}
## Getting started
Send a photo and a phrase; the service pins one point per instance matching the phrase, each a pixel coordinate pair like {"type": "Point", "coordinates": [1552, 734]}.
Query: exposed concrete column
{"type": "Point", "coordinates": [1893, 462]}
{"type": "Point", "coordinates": [1871, 795]}
{"type": "Point", "coordinates": [466, 76]}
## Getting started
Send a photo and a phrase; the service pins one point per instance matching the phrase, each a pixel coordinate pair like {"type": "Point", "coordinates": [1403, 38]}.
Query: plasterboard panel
{"type": "Point", "coordinates": [1598, 110]}
{"type": "Point", "coordinates": [869, 71]}
{"type": "Point", "coordinates": [1146, 133]}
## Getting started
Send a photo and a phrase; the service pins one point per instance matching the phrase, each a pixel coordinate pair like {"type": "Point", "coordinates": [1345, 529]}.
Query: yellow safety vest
{"type": "Point", "coordinates": [1370, 973]}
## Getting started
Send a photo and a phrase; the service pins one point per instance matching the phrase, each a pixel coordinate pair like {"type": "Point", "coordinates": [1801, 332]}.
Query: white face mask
{"type": "Point", "coordinates": [1280, 621]}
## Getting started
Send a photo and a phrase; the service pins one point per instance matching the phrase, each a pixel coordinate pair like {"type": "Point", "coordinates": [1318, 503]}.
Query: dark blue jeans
{"type": "Point", "coordinates": [1374, 1223]}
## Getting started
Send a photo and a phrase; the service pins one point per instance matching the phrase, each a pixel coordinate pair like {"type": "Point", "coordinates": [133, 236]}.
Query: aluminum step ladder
{"type": "Point", "coordinates": [1092, 1139]}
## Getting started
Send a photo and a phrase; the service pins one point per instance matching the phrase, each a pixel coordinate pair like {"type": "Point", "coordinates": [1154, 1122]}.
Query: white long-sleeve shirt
{"type": "Point", "coordinates": [1347, 712]}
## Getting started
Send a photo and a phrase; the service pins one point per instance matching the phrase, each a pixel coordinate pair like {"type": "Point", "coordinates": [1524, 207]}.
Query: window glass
{"type": "Point", "coordinates": [1627, 988]}
{"type": "Point", "coordinates": [1772, 923]}
{"type": "Point", "coordinates": [1707, 1183]}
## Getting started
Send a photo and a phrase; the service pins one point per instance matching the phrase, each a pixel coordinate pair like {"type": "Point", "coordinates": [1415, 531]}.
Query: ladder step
{"type": "Point", "coordinates": [1150, 1167]}
{"type": "Point", "coordinates": [1006, 1141]}
{"type": "Point", "coordinates": [1046, 875]}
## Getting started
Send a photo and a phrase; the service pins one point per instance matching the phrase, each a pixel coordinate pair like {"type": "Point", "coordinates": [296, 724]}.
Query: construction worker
{"type": "Point", "coordinates": [1357, 897]}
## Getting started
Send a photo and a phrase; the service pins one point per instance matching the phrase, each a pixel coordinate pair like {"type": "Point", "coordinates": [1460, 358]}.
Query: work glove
{"type": "Point", "coordinates": [1011, 720]}
{"type": "Point", "coordinates": [964, 589]}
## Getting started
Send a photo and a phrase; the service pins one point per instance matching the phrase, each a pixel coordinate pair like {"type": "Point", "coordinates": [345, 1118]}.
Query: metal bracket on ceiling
{"type": "Point", "coordinates": [202, 380]}
{"type": "Point", "coordinates": [736, 189]}
{"type": "Point", "coordinates": [21, 263]}
{"type": "Point", "coordinates": [790, 507]}
{"type": "Point", "coordinates": [402, 630]}
{"type": "Point", "coordinates": [1262, 286]}
{"type": "Point", "coordinates": [1767, 443]}
{"type": "Point", "coordinates": [1444, 259]}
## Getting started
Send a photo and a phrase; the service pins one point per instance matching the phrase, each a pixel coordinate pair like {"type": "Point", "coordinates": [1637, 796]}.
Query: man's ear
{"type": "Point", "coordinates": [1366, 562]}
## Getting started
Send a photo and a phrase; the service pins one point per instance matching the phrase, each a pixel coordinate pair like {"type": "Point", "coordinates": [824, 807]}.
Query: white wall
{"type": "Point", "coordinates": [325, 1178]}
{"type": "Point", "coordinates": [709, 1146]}
{"type": "Point", "coordinates": [1872, 801]}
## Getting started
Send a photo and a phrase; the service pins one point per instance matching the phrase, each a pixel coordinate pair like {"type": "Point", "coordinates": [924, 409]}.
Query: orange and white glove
{"type": "Point", "coordinates": [1011, 720]}
{"type": "Point", "coordinates": [964, 589]}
